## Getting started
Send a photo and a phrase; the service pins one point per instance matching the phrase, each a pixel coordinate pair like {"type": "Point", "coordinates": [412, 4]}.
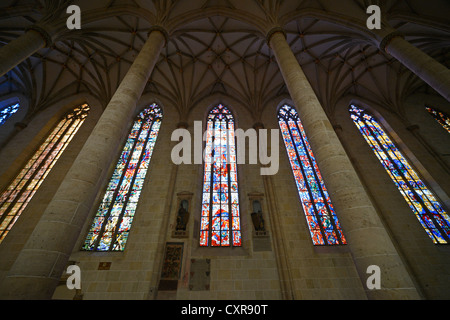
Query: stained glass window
{"type": "Point", "coordinates": [112, 223]}
{"type": "Point", "coordinates": [420, 199]}
{"type": "Point", "coordinates": [322, 221]}
{"type": "Point", "coordinates": [220, 219]}
{"type": "Point", "coordinates": [20, 192]}
{"type": "Point", "coordinates": [441, 117]}
{"type": "Point", "coordinates": [7, 112]}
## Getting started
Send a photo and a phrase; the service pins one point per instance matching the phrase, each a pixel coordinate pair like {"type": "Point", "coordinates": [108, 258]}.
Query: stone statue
{"type": "Point", "coordinates": [257, 217]}
{"type": "Point", "coordinates": [183, 216]}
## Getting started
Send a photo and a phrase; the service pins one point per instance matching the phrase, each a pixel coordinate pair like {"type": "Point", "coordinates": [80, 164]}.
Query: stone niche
{"type": "Point", "coordinates": [260, 233]}
{"type": "Point", "coordinates": [182, 215]}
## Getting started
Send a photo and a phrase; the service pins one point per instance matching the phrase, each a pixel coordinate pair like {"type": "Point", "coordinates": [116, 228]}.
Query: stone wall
{"type": "Point", "coordinates": [17, 152]}
{"type": "Point", "coordinates": [426, 262]}
{"type": "Point", "coordinates": [286, 259]}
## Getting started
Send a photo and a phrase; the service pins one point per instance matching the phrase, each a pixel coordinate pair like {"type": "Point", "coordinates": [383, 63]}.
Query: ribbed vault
{"type": "Point", "coordinates": [219, 46]}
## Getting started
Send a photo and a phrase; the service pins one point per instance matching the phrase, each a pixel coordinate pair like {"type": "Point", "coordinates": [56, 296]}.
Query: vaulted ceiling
{"type": "Point", "coordinates": [219, 46]}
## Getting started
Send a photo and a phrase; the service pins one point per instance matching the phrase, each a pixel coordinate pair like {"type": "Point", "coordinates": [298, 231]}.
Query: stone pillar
{"type": "Point", "coordinates": [11, 55]}
{"type": "Point", "coordinates": [278, 236]}
{"type": "Point", "coordinates": [39, 266]}
{"type": "Point", "coordinates": [367, 238]}
{"type": "Point", "coordinates": [425, 67]}
{"type": "Point", "coordinates": [279, 242]}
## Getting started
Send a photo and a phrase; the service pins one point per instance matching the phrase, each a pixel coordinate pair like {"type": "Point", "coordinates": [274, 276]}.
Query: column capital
{"type": "Point", "coordinates": [182, 125]}
{"type": "Point", "coordinates": [338, 128]}
{"type": "Point", "coordinates": [44, 34]}
{"type": "Point", "coordinates": [258, 126]}
{"type": "Point", "coordinates": [413, 128]}
{"type": "Point", "coordinates": [160, 29]}
{"type": "Point", "coordinates": [272, 32]}
{"type": "Point", "coordinates": [20, 125]}
{"type": "Point", "coordinates": [388, 38]}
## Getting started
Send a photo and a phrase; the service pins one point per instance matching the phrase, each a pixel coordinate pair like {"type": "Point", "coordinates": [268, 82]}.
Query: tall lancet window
{"type": "Point", "coordinates": [421, 200]}
{"type": "Point", "coordinates": [322, 221]}
{"type": "Point", "coordinates": [112, 223]}
{"type": "Point", "coordinates": [20, 192]}
{"type": "Point", "coordinates": [220, 220]}
{"type": "Point", "coordinates": [7, 112]}
{"type": "Point", "coordinates": [441, 117]}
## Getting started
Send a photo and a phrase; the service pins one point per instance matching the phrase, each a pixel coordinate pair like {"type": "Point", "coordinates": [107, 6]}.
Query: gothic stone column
{"type": "Point", "coordinates": [425, 67]}
{"type": "Point", "coordinates": [11, 55]}
{"type": "Point", "coordinates": [368, 240]}
{"type": "Point", "coordinates": [39, 266]}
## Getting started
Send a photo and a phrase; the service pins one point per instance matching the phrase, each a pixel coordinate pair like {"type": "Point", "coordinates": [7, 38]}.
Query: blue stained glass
{"type": "Point", "coordinates": [7, 112]}
{"type": "Point", "coordinates": [421, 200]}
{"type": "Point", "coordinates": [120, 201]}
{"type": "Point", "coordinates": [320, 216]}
{"type": "Point", "coordinates": [221, 228]}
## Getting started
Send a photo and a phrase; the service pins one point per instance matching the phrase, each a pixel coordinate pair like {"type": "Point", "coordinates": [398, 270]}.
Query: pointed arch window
{"type": "Point", "coordinates": [420, 199]}
{"type": "Point", "coordinates": [322, 221]}
{"type": "Point", "coordinates": [20, 192]}
{"type": "Point", "coordinates": [7, 112]}
{"type": "Point", "coordinates": [112, 223]}
{"type": "Point", "coordinates": [441, 117]}
{"type": "Point", "coordinates": [220, 224]}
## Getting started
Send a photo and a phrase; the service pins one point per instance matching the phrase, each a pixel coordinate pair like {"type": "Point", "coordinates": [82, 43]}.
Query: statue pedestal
{"type": "Point", "coordinates": [179, 234]}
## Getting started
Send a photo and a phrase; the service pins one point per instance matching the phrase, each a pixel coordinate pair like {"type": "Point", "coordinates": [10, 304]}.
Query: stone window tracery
{"type": "Point", "coordinates": [321, 218]}
{"type": "Point", "coordinates": [420, 199]}
{"type": "Point", "coordinates": [114, 217]}
{"type": "Point", "coordinates": [19, 193]}
{"type": "Point", "coordinates": [220, 224]}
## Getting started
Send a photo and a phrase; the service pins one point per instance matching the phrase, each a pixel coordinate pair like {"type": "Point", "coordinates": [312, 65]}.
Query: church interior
{"type": "Point", "coordinates": [359, 208]}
